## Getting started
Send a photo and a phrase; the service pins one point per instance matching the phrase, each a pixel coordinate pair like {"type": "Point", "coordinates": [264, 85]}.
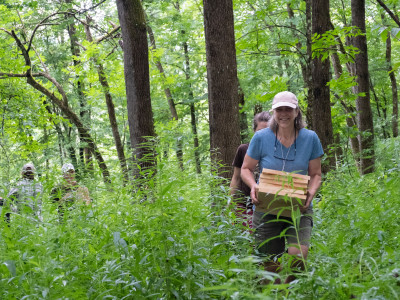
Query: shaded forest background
{"type": "Point", "coordinates": [65, 62]}
{"type": "Point", "coordinates": [151, 114]}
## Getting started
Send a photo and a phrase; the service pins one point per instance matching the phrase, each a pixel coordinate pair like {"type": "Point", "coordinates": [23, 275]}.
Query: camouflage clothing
{"type": "Point", "coordinates": [68, 194]}
{"type": "Point", "coordinates": [26, 194]}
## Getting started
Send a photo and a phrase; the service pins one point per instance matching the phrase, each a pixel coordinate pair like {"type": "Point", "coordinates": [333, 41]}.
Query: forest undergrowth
{"type": "Point", "coordinates": [178, 240]}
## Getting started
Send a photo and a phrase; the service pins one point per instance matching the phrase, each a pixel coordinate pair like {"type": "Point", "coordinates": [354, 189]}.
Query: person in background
{"type": "Point", "coordinates": [284, 146]}
{"type": "Point", "coordinates": [26, 195]}
{"type": "Point", "coordinates": [238, 189]}
{"type": "Point", "coordinates": [69, 191]}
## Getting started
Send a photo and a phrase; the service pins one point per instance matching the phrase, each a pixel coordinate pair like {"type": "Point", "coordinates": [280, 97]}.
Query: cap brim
{"type": "Point", "coordinates": [280, 104]}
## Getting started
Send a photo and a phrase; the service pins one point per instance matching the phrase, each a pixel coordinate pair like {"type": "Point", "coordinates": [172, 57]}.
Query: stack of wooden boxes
{"type": "Point", "coordinates": [281, 192]}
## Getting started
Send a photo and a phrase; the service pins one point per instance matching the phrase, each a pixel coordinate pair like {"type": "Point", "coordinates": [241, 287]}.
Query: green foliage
{"type": "Point", "coordinates": [166, 241]}
{"type": "Point", "coordinates": [264, 96]}
{"type": "Point", "coordinates": [170, 242]}
{"type": "Point", "coordinates": [326, 44]}
{"type": "Point", "coordinates": [164, 244]}
{"type": "Point", "coordinates": [353, 253]}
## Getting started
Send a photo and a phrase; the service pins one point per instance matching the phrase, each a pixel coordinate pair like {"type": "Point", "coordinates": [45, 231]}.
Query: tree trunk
{"type": "Point", "coordinates": [363, 105]}
{"type": "Point", "coordinates": [111, 109]}
{"type": "Point", "coordinates": [395, 97]}
{"type": "Point", "coordinates": [61, 103]}
{"type": "Point", "coordinates": [83, 132]}
{"type": "Point", "coordinates": [71, 145]}
{"type": "Point", "coordinates": [322, 118]}
{"type": "Point", "coordinates": [160, 68]}
{"type": "Point", "coordinates": [244, 130]}
{"type": "Point", "coordinates": [136, 69]}
{"type": "Point", "coordinates": [351, 122]}
{"type": "Point", "coordinates": [257, 109]}
{"type": "Point", "coordinates": [193, 121]}
{"type": "Point", "coordinates": [84, 113]}
{"type": "Point", "coordinates": [168, 95]}
{"type": "Point", "coordinates": [305, 65]}
{"type": "Point", "coordinates": [391, 14]}
{"type": "Point", "coordinates": [60, 136]}
{"type": "Point", "coordinates": [308, 65]}
{"type": "Point", "coordinates": [349, 109]}
{"type": "Point", "coordinates": [222, 83]}
{"type": "Point", "coordinates": [379, 107]}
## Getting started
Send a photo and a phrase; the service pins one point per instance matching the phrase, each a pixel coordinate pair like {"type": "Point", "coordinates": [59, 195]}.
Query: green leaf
{"type": "Point", "coordinates": [395, 32]}
{"type": "Point", "coordinates": [10, 264]}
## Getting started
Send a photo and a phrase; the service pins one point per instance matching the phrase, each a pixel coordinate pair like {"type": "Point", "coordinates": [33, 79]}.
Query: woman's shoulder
{"type": "Point", "coordinates": [307, 132]}
{"type": "Point", "coordinates": [265, 132]}
{"type": "Point", "coordinates": [243, 147]}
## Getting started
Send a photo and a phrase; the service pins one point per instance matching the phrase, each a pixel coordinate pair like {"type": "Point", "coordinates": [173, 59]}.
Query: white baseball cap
{"type": "Point", "coordinates": [66, 167]}
{"type": "Point", "coordinates": [28, 167]}
{"type": "Point", "coordinates": [285, 99]}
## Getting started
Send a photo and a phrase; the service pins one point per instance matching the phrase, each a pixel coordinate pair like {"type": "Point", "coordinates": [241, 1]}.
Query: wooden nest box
{"type": "Point", "coordinates": [280, 192]}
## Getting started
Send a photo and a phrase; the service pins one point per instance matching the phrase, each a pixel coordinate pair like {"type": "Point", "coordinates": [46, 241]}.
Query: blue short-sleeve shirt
{"type": "Point", "coordinates": [271, 154]}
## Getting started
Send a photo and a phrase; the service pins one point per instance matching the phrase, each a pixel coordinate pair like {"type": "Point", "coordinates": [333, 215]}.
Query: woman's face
{"type": "Point", "coordinates": [261, 125]}
{"type": "Point", "coordinates": [285, 116]}
{"type": "Point", "coordinates": [69, 175]}
{"type": "Point", "coordinates": [28, 173]}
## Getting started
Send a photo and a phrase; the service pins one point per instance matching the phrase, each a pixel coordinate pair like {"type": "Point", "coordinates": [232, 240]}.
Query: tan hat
{"type": "Point", "coordinates": [28, 167]}
{"type": "Point", "coordinates": [285, 99]}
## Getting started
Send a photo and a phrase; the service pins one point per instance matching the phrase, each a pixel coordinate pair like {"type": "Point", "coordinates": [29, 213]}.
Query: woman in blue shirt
{"type": "Point", "coordinates": [284, 146]}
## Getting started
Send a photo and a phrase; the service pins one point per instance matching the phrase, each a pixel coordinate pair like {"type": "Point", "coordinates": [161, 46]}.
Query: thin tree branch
{"type": "Point", "coordinates": [61, 103]}
{"type": "Point", "coordinates": [269, 27]}
{"type": "Point", "coordinates": [91, 8]}
{"type": "Point", "coordinates": [107, 35]}
{"type": "Point", "coordinates": [7, 75]}
{"type": "Point", "coordinates": [100, 39]}
{"type": "Point", "coordinates": [80, 45]}
{"type": "Point", "coordinates": [43, 23]}
{"type": "Point", "coordinates": [34, 49]}
{"type": "Point", "coordinates": [391, 14]}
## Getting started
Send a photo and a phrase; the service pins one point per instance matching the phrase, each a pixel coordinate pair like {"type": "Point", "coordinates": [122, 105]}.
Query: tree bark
{"type": "Point", "coordinates": [222, 83]}
{"type": "Point", "coordinates": [363, 105]}
{"type": "Point", "coordinates": [391, 14]}
{"type": "Point", "coordinates": [322, 118]}
{"type": "Point", "coordinates": [244, 129]}
{"type": "Point", "coordinates": [193, 121]}
{"type": "Point", "coordinates": [350, 121]}
{"type": "Point", "coordinates": [84, 112]}
{"type": "Point", "coordinates": [306, 65]}
{"type": "Point", "coordinates": [168, 95]}
{"type": "Point", "coordinates": [71, 145]}
{"type": "Point", "coordinates": [136, 69]}
{"type": "Point", "coordinates": [379, 107]}
{"type": "Point", "coordinates": [110, 108]}
{"type": "Point", "coordinates": [349, 109]}
{"type": "Point", "coordinates": [62, 104]}
{"type": "Point", "coordinates": [60, 136]}
{"type": "Point", "coordinates": [395, 97]}
{"type": "Point", "coordinates": [83, 132]}
{"type": "Point", "coordinates": [160, 68]}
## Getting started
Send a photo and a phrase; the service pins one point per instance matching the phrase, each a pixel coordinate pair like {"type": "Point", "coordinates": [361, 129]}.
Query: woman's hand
{"type": "Point", "coordinates": [247, 174]}
{"type": "Point", "coordinates": [254, 194]}
{"type": "Point", "coordinates": [314, 171]}
{"type": "Point", "coordinates": [304, 208]}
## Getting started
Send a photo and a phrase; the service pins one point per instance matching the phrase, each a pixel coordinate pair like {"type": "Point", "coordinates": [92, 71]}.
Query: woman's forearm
{"type": "Point", "coordinates": [314, 184]}
{"type": "Point", "coordinates": [235, 181]}
{"type": "Point", "coordinates": [247, 177]}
